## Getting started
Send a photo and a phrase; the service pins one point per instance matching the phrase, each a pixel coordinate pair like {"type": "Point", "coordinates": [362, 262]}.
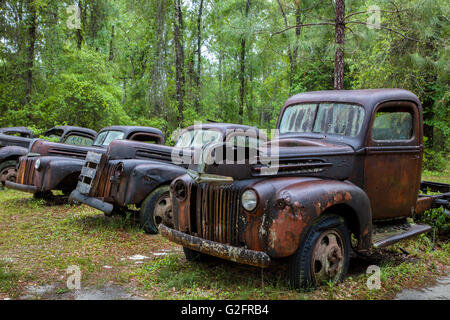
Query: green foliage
{"type": "Point", "coordinates": [437, 219]}
{"type": "Point", "coordinates": [120, 68]}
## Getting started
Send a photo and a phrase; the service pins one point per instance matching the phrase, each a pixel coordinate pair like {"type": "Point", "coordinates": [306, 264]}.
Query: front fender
{"type": "Point", "coordinates": [12, 152]}
{"type": "Point", "coordinates": [146, 177]}
{"type": "Point", "coordinates": [55, 172]}
{"type": "Point", "coordinates": [290, 206]}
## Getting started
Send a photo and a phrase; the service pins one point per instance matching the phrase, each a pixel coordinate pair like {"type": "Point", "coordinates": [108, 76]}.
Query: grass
{"type": "Point", "coordinates": [437, 176]}
{"type": "Point", "coordinates": [38, 241]}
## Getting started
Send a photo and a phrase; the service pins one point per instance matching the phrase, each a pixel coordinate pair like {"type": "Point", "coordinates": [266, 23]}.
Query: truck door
{"type": "Point", "coordinates": [393, 162]}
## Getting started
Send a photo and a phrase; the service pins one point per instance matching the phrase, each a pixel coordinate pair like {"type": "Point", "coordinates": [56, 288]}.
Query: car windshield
{"type": "Point", "coordinates": [104, 138]}
{"type": "Point", "coordinates": [198, 138]}
{"type": "Point", "coordinates": [325, 118]}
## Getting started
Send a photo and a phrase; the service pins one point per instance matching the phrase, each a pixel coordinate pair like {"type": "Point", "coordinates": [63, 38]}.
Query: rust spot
{"type": "Point", "coordinates": [284, 233]}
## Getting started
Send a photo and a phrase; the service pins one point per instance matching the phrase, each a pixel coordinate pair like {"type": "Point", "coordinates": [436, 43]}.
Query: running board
{"type": "Point", "coordinates": [387, 235]}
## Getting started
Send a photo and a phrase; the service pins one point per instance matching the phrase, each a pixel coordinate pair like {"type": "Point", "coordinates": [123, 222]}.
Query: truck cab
{"type": "Point", "coordinates": [345, 163]}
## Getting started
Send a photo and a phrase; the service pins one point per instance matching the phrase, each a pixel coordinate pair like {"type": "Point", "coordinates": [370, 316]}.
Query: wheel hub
{"type": "Point", "coordinates": [327, 260]}
{"type": "Point", "coordinates": [8, 174]}
{"type": "Point", "coordinates": [163, 211]}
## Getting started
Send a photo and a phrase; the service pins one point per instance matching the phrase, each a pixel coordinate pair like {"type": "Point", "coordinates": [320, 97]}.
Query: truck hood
{"type": "Point", "coordinates": [46, 148]}
{"type": "Point", "coordinates": [126, 149]}
{"type": "Point", "coordinates": [282, 157]}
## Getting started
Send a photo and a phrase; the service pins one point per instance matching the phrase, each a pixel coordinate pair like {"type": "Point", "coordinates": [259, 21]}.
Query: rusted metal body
{"type": "Point", "coordinates": [15, 141]}
{"type": "Point", "coordinates": [129, 171]}
{"type": "Point", "coordinates": [363, 177]}
{"type": "Point", "coordinates": [13, 146]}
{"type": "Point", "coordinates": [56, 166]}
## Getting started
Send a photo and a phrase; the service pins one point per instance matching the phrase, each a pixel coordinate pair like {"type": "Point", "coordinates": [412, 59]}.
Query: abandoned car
{"type": "Point", "coordinates": [133, 176]}
{"type": "Point", "coordinates": [14, 143]}
{"type": "Point", "coordinates": [54, 166]}
{"type": "Point", "coordinates": [349, 164]}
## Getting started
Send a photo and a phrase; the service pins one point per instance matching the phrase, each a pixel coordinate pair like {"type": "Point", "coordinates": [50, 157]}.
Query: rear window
{"type": "Point", "coordinates": [79, 140]}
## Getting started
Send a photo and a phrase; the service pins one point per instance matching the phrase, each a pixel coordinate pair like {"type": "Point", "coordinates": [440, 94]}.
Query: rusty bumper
{"type": "Point", "coordinates": [92, 202]}
{"type": "Point", "coordinates": [220, 250]}
{"type": "Point", "coordinates": [21, 187]}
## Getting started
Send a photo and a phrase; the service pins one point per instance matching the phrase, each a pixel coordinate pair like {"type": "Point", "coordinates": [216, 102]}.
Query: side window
{"type": "Point", "coordinates": [392, 124]}
{"type": "Point", "coordinates": [79, 140]}
{"type": "Point", "coordinates": [146, 138]}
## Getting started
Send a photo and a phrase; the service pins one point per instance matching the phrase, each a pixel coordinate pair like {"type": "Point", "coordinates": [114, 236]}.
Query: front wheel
{"type": "Point", "coordinates": [156, 209]}
{"type": "Point", "coordinates": [323, 255]}
{"type": "Point", "coordinates": [8, 171]}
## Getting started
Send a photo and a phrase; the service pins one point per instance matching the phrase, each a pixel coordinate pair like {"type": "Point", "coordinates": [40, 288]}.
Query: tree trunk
{"type": "Point", "coordinates": [79, 31]}
{"type": "Point", "coordinates": [339, 28]}
{"type": "Point", "coordinates": [179, 58]}
{"type": "Point", "coordinates": [291, 61]}
{"type": "Point", "coordinates": [242, 70]}
{"type": "Point", "coordinates": [32, 26]}
{"type": "Point", "coordinates": [199, 55]}
{"type": "Point", "coordinates": [111, 47]}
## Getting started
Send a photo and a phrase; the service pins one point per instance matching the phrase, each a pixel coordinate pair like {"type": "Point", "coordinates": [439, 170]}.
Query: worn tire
{"type": "Point", "coordinates": [7, 165]}
{"type": "Point", "coordinates": [306, 270]}
{"type": "Point", "coordinates": [148, 218]}
{"type": "Point", "coordinates": [192, 255]}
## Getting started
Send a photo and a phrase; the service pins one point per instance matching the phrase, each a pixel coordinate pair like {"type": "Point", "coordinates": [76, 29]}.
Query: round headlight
{"type": "Point", "coordinates": [118, 170]}
{"type": "Point", "coordinates": [37, 164]}
{"type": "Point", "coordinates": [249, 200]}
{"type": "Point", "coordinates": [180, 190]}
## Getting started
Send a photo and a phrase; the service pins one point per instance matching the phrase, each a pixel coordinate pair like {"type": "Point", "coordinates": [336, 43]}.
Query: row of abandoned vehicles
{"type": "Point", "coordinates": [346, 175]}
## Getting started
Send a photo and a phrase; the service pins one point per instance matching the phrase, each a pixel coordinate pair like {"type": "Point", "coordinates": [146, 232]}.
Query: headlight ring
{"type": "Point", "coordinates": [249, 200]}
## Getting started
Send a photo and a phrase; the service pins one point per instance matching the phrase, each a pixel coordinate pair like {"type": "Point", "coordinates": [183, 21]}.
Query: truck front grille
{"type": "Point", "coordinates": [26, 171]}
{"type": "Point", "coordinates": [103, 186]}
{"type": "Point", "coordinates": [215, 211]}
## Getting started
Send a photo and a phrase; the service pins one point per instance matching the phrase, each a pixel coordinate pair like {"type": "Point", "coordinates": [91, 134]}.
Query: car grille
{"type": "Point", "coordinates": [214, 215]}
{"type": "Point", "coordinates": [26, 171]}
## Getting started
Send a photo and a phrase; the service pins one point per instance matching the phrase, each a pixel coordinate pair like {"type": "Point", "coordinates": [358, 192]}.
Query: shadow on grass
{"type": "Point", "coordinates": [100, 222]}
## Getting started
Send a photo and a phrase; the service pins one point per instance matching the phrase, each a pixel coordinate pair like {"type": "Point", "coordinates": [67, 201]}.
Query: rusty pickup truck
{"type": "Point", "coordinates": [132, 176]}
{"type": "Point", "coordinates": [14, 143]}
{"type": "Point", "coordinates": [54, 166]}
{"type": "Point", "coordinates": [347, 175]}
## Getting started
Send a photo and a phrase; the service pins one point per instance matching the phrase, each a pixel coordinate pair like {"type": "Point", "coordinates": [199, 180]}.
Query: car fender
{"type": "Point", "coordinates": [12, 153]}
{"type": "Point", "coordinates": [55, 170]}
{"type": "Point", "coordinates": [147, 177]}
{"type": "Point", "coordinates": [290, 206]}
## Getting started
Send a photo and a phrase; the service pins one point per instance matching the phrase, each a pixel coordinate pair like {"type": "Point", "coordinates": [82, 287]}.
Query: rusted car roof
{"type": "Point", "coordinates": [24, 130]}
{"type": "Point", "coordinates": [130, 129]}
{"type": "Point", "coordinates": [65, 129]}
{"type": "Point", "coordinates": [368, 98]}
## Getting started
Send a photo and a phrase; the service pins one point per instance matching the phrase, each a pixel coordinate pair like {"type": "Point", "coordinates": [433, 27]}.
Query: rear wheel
{"type": "Point", "coordinates": [156, 209]}
{"type": "Point", "coordinates": [323, 255]}
{"type": "Point", "coordinates": [8, 171]}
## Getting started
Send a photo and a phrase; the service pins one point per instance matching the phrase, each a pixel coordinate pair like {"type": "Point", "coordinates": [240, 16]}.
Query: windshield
{"type": "Point", "coordinates": [326, 118]}
{"type": "Point", "coordinates": [104, 138]}
{"type": "Point", "coordinates": [198, 138]}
